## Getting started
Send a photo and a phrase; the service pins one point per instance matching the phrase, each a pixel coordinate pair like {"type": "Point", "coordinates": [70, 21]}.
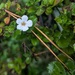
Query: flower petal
{"type": "Point", "coordinates": [24, 18]}
{"type": "Point", "coordinates": [19, 27]}
{"type": "Point", "coordinates": [18, 21]}
{"type": "Point", "coordinates": [29, 23]}
{"type": "Point", "coordinates": [25, 28]}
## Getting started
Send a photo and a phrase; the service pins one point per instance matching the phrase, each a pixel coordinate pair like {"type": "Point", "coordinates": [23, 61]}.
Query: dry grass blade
{"type": "Point", "coordinates": [12, 13]}
{"type": "Point", "coordinates": [51, 51]}
{"type": "Point", "coordinates": [53, 43]}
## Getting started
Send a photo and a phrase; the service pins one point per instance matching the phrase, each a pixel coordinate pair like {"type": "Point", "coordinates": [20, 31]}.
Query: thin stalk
{"type": "Point", "coordinates": [40, 53]}
{"type": "Point", "coordinates": [53, 43]}
{"type": "Point", "coordinates": [50, 50]}
{"type": "Point", "coordinates": [12, 13]}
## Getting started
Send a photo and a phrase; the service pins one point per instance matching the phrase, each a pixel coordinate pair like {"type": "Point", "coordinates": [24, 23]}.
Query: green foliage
{"type": "Point", "coordinates": [73, 8]}
{"type": "Point", "coordinates": [74, 46]}
{"type": "Point", "coordinates": [2, 5]}
{"type": "Point", "coordinates": [55, 68]}
{"type": "Point", "coordinates": [48, 10]}
{"type": "Point", "coordinates": [18, 49]}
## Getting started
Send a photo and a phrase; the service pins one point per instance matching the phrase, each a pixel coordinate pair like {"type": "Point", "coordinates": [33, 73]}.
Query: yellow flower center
{"type": "Point", "coordinates": [23, 23]}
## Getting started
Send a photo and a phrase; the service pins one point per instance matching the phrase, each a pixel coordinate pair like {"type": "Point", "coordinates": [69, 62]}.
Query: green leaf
{"type": "Point", "coordinates": [62, 57]}
{"type": "Point", "coordinates": [2, 25]}
{"type": "Point", "coordinates": [62, 42]}
{"type": "Point", "coordinates": [21, 12]}
{"type": "Point", "coordinates": [10, 29]}
{"type": "Point", "coordinates": [48, 10]}
{"type": "Point", "coordinates": [18, 6]}
{"type": "Point", "coordinates": [73, 8]}
{"type": "Point", "coordinates": [16, 33]}
{"type": "Point", "coordinates": [55, 68]}
{"type": "Point", "coordinates": [45, 2]}
{"type": "Point", "coordinates": [28, 60]}
{"type": "Point", "coordinates": [69, 50]}
{"type": "Point", "coordinates": [62, 19]}
{"type": "Point", "coordinates": [74, 30]}
{"type": "Point", "coordinates": [33, 18]}
{"type": "Point", "coordinates": [51, 2]}
{"type": "Point", "coordinates": [71, 65]}
{"type": "Point", "coordinates": [74, 46]}
{"type": "Point", "coordinates": [11, 65]}
{"type": "Point", "coordinates": [6, 34]}
{"type": "Point", "coordinates": [40, 11]}
{"type": "Point", "coordinates": [56, 2]}
{"type": "Point", "coordinates": [0, 30]}
{"type": "Point", "coordinates": [23, 65]}
{"type": "Point", "coordinates": [31, 10]}
{"type": "Point", "coordinates": [17, 68]}
{"type": "Point", "coordinates": [8, 4]}
{"type": "Point", "coordinates": [34, 42]}
{"type": "Point", "coordinates": [2, 5]}
{"type": "Point", "coordinates": [2, 14]}
{"type": "Point", "coordinates": [28, 2]}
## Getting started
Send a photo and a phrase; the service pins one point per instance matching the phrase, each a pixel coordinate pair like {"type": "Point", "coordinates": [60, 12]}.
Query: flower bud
{"type": "Point", "coordinates": [7, 20]}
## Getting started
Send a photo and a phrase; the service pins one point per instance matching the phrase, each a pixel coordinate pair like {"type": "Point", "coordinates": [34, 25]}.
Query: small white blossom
{"type": "Point", "coordinates": [23, 23]}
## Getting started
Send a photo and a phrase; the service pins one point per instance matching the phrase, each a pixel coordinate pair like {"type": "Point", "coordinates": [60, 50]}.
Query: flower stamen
{"type": "Point", "coordinates": [23, 23]}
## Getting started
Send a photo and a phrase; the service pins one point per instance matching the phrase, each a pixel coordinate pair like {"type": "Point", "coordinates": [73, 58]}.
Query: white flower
{"type": "Point", "coordinates": [23, 23]}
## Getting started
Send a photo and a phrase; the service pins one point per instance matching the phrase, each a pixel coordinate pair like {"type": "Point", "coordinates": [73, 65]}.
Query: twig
{"type": "Point", "coordinates": [40, 53]}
